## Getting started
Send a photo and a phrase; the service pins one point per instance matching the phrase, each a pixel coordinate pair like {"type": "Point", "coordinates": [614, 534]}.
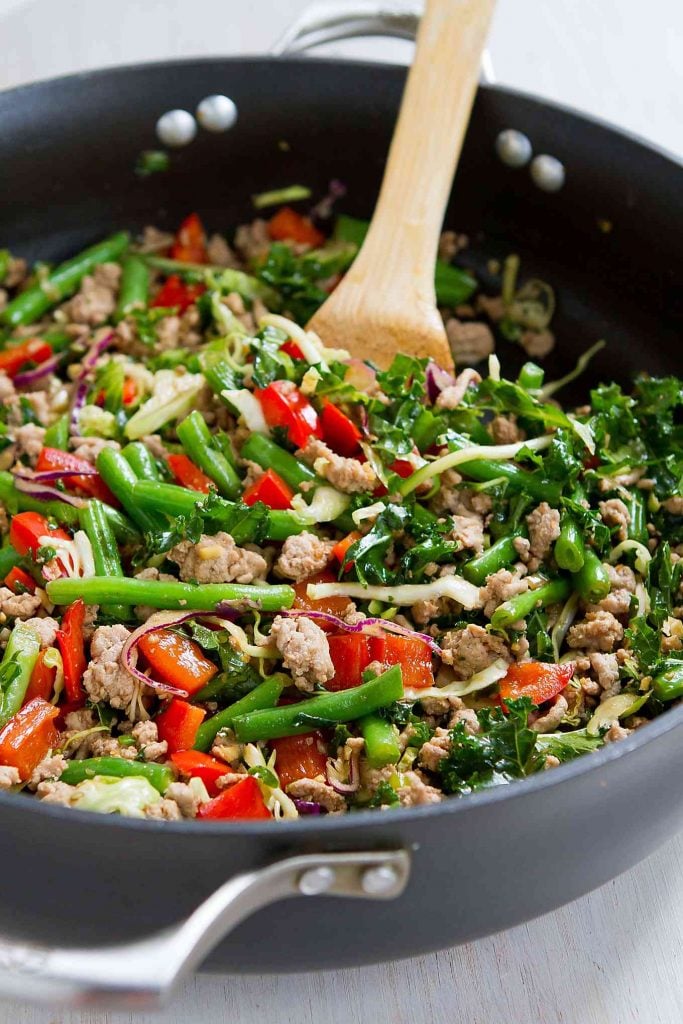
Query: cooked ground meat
{"type": "Point", "coordinates": [19, 606]}
{"type": "Point", "coordinates": [319, 793]}
{"type": "Point", "coordinates": [552, 718]}
{"type": "Point", "coordinates": [470, 342]}
{"type": "Point", "coordinates": [504, 430]}
{"type": "Point", "coordinates": [606, 668]}
{"type": "Point", "coordinates": [347, 475]}
{"type": "Point", "coordinates": [451, 397]}
{"type": "Point", "coordinates": [9, 776]}
{"type": "Point", "coordinates": [106, 679]}
{"type": "Point", "coordinates": [468, 531]}
{"type": "Point", "coordinates": [29, 440]}
{"type": "Point", "coordinates": [599, 631]}
{"type": "Point", "coordinates": [674, 505]}
{"type": "Point", "coordinates": [537, 344]}
{"type": "Point", "coordinates": [500, 587]}
{"type": "Point", "coordinates": [434, 750]}
{"type": "Point", "coordinates": [46, 628]}
{"type": "Point", "coordinates": [544, 529]}
{"type": "Point", "coordinates": [615, 514]}
{"type": "Point", "coordinates": [217, 559]}
{"type": "Point", "coordinates": [304, 649]}
{"type": "Point", "coordinates": [303, 555]}
{"type": "Point", "coordinates": [95, 300]}
{"type": "Point", "coordinates": [471, 650]}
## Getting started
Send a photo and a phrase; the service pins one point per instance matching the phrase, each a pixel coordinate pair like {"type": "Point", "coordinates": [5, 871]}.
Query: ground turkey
{"type": "Point", "coordinates": [96, 299]}
{"type": "Point", "coordinates": [544, 529]}
{"type": "Point", "coordinates": [500, 587]}
{"type": "Point", "coordinates": [18, 606]}
{"type": "Point", "coordinates": [470, 343]}
{"type": "Point", "coordinates": [471, 650]}
{"type": "Point", "coordinates": [303, 555]}
{"type": "Point", "coordinates": [105, 678]}
{"type": "Point", "coordinates": [304, 649]}
{"type": "Point", "coordinates": [46, 628]}
{"type": "Point", "coordinates": [319, 793]}
{"type": "Point", "coordinates": [504, 430]}
{"type": "Point", "coordinates": [347, 475]}
{"type": "Point", "coordinates": [615, 514]}
{"type": "Point", "coordinates": [217, 559]}
{"type": "Point", "coordinates": [599, 631]}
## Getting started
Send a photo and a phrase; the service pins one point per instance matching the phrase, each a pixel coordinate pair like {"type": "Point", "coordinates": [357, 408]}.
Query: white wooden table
{"type": "Point", "coordinates": [613, 957]}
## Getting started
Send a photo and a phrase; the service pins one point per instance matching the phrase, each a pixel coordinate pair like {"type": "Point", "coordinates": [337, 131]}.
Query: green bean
{"type": "Point", "coordinates": [668, 684]}
{"type": "Point", "coordinates": [163, 594]}
{"type": "Point", "coordinates": [531, 377]}
{"type": "Point", "coordinates": [30, 304]}
{"type": "Point", "coordinates": [8, 559]}
{"type": "Point", "coordinates": [592, 580]}
{"type": "Point", "coordinates": [105, 551]}
{"type": "Point", "coordinates": [328, 709]}
{"type": "Point", "coordinates": [569, 548]}
{"type": "Point", "coordinates": [134, 288]}
{"type": "Point", "coordinates": [229, 280]}
{"type": "Point", "coordinates": [522, 605]}
{"type": "Point", "coordinates": [265, 695]}
{"type": "Point", "coordinates": [196, 441]}
{"type": "Point", "coordinates": [21, 654]}
{"type": "Point", "coordinates": [179, 501]}
{"type": "Point", "coordinates": [519, 481]}
{"type": "Point", "coordinates": [381, 741]}
{"type": "Point", "coordinates": [57, 434]}
{"type": "Point", "coordinates": [637, 527]}
{"type": "Point", "coordinates": [501, 554]}
{"type": "Point", "coordinates": [268, 455]}
{"type": "Point", "coordinates": [121, 480]}
{"type": "Point", "coordinates": [141, 461]}
{"type": "Point", "coordinates": [117, 767]}
{"type": "Point", "coordinates": [122, 528]}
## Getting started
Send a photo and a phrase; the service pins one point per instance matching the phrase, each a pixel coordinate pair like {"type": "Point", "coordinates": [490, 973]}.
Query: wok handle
{"type": "Point", "coordinates": [143, 974]}
{"type": "Point", "coordinates": [329, 21]}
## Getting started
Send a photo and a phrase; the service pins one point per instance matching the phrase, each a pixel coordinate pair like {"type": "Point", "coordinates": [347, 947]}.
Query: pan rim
{"type": "Point", "coordinates": [332, 825]}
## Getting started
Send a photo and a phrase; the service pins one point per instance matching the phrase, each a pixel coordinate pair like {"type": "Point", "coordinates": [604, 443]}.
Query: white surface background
{"type": "Point", "coordinates": [614, 956]}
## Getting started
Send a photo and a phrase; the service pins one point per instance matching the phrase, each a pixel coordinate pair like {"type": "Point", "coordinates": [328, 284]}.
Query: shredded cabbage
{"type": "Point", "coordinates": [643, 555]}
{"type": "Point", "coordinates": [129, 796]}
{"type": "Point", "coordinates": [487, 677]}
{"type": "Point", "coordinates": [326, 505]}
{"type": "Point", "coordinates": [249, 408]}
{"type": "Point", "coordinates": [454, 587]}
{"type": "Point", "coordinates": [174, 396]}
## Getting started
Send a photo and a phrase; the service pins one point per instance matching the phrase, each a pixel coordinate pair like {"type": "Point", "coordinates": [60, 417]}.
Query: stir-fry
{"type": "Point", "coordinates": [245, 576]}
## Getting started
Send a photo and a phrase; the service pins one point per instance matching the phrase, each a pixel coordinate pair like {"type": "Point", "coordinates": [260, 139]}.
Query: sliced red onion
{"type": "Point", "coordinates": [371, 625]}
{"type": "Point", "coordinates": [309, 807]}
{"type": "Point", "coordinates": [43, 492]}
{"type": "Point", "coordinates": [436, 380]}
{"type": "Point", "coordinates": [48, 475]}
{"type": "Point", "coordinates": [334, 779]}
{"type": "Point", "coordinates": [323, 209]}
{"type": "Point", "coordinates": [162, 620]}
{"type": "Point", "coordinates": [21, 380]}
{"type": "Point", "coordinates": [83, 380]}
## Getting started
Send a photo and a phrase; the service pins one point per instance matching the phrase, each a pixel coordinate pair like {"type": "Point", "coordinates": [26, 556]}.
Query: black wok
{"type": "Point", "coordinates": [611, 243]}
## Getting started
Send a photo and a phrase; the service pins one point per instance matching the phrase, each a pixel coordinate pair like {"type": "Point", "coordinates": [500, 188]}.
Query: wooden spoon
{"type": "Point", "coordinates": [386, 302]}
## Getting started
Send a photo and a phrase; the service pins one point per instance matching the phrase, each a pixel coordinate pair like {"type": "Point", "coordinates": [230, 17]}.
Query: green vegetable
{"type": "Point", "coordinates": [565, 746]}
{"type": "Point", "coordinates": [152, 161]}
{"type": "Point", "coordinates": [32, 303]}
{"type": "Point", "coordinates": [269, 455]}
{"type": "Point", "coordinates": [117, 767]}
{"type": "Point", "coordinates": [162, 594]}
{"type": "Point", "coordinates": [141, 461]}
{"type": "Point", "coordinates": [611, 710]}
{"type": "Point", "coordinates": [266, 695]}
{"type": "Point", "coordinates": [57, 434]}
{"type": "Point", "coordinates": [121, 481]}
{"type": "Point", "coordinates": [134, 288]}
{"type": "Point", "coordinates": [321, 712]}
{"type": "Point", "coordinates": [21, 654]}
{"type": "Point", "coordinates": [522, 605]}
{"type": "Point", "coordinates": [280, 196]}
{"type": "Point", "coordinates": [500, 555]}
{"type": "Point", "coordinates": [668, 683]}
{"type": "Point", "coordinates": [569, 549]}
{"type": "Point", "coordinates": [592, 579]}
{"type": "Point", "coordinates": [381, 741]}
{"type": "Point", "coordinates": [224, 277]}
{"type": "Point", "coordinates": [107, 795]}
{"type": "Point", "coordinates": [196, 440]}
{"type": "Point", "coordinates": [93, 520]}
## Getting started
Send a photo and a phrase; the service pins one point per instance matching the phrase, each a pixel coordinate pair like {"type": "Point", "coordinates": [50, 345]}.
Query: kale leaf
{"type": "Point", "coordinates": [295, 278]}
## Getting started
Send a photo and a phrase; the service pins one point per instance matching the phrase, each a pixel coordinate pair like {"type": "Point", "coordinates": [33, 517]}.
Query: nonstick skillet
{"type": "Point", "coordinates": [92, 906]}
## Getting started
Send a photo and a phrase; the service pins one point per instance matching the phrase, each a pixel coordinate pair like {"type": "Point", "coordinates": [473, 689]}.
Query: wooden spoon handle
{"type": "Point", "coordinates": [399, 252]}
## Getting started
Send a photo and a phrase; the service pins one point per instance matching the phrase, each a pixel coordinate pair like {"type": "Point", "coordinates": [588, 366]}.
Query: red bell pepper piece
{"type": "Point", "coordinates": [412, 654]}
{"type": "Point", "coordinates": [187, 474]}
{"type": "Point", "coordinates": [92, 485]}
{"type": "Point", "coordinates": [243, 800]}
{"type": "Point", "coordinates": [177, 660]}
{"type": "Point", "coordinates": [336, 605]}
{"type": "Point", "coordinates": [174, 293]}
{"type": "Point", "coordinates": [537, 680]}
{"type": "Point", "coordinates": [289, 226]}
{"type": "Point", "coordinates": [196, 765]}
{"type": "Point", "coordinates": [33, 350]}
{"type": "Point", "coordinates": [72, 648]}
{"type": "Point", "coordinates": [27, 528]}
{"type": "Point", "coordinates": [28, 736]}
{"type": "Point", "coordinates": [42, 682]}
{"type": "Point", "coordinates": [190, 241]}
{"type": "Point", "coordinates": [299, 757]}
{"type": "Point", "coordinates": [284, 406]}
{"type": "Point", "coordinates": [19, 581]}
{"type": "Point", "coordinates": [292, 349]}
{"type": "Point", "coordinates": [342, 546]}
{"type": "Point", "coordinates": [351, 655]}
{"type": "Point", "coordinates": [178, 724]}
{"type": "Point", "coordinates": [271, 489]}
{"type": "Point", "coordinates": [128, 394]}
{"type": "Point", "coordinates": [339, 432]}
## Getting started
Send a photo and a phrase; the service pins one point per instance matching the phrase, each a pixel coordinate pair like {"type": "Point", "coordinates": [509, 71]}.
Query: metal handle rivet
{"type": "Point", "coordinates": [316, 881]}
{"type": "Point", "coordinates": [547, 173]}
{"type": "Point", "coordinates": [176, 128]}
{"type": "Point", "coordinates": [513, 148]}
{"type": "Point", "coordinates": [379, 880]}
{"type": "Point", "coordinates": [217, 113]}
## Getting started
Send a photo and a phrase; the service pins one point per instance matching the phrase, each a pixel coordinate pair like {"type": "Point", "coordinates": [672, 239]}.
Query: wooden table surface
{"type": "Point", "coordinates": [613, 957]}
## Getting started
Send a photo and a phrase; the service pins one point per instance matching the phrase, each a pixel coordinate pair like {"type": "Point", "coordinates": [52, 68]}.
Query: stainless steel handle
{"type": "Point", "coordinates": [143, 974]}
{"type": "Point", "coordinates": [330, 21]}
